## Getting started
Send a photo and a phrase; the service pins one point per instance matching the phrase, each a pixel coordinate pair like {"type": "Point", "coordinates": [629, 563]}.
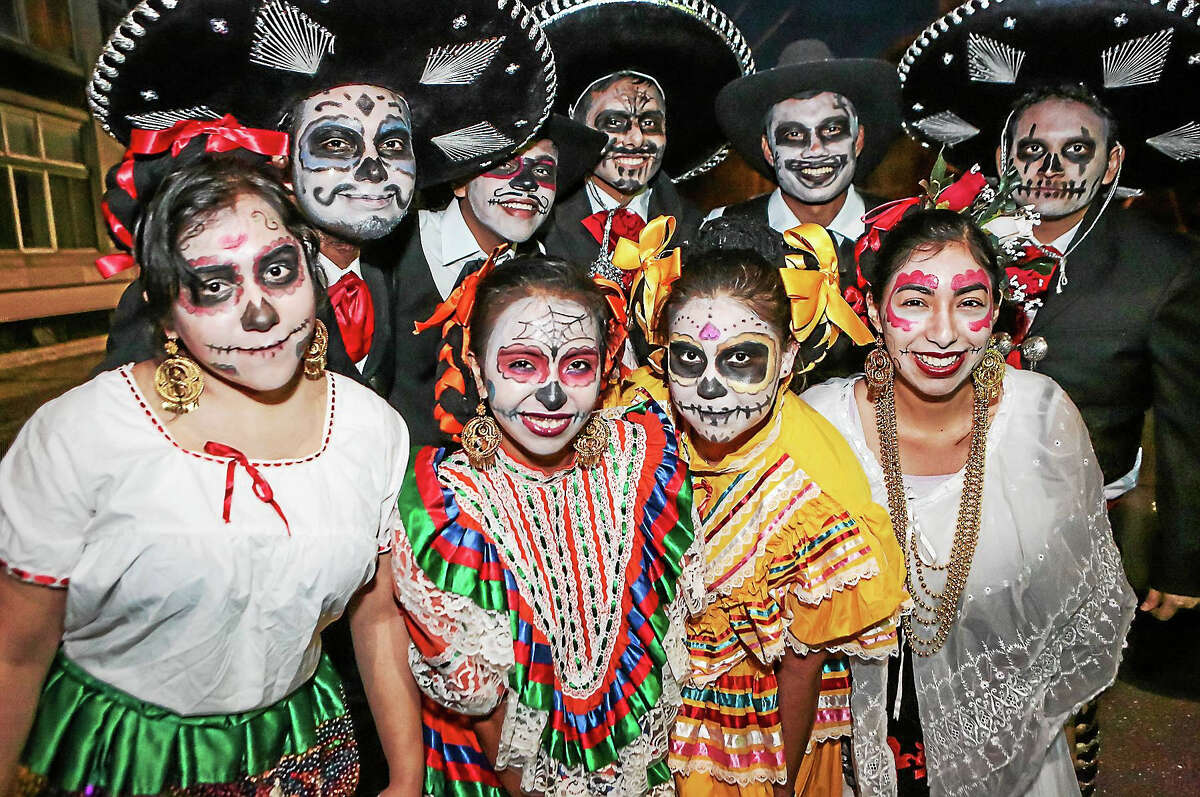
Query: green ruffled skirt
{"type": "Point", "coordinates": [92, 739]}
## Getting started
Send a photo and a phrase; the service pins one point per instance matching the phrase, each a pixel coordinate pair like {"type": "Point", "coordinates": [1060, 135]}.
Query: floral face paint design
{"type": "Point", "coordinates": [541, 372]}
{"type": "Point", "coordinates": [246, 305]}
{"type": "Point", "coordinates": [353, 166]}
{"type": "Point", "coordinates": [813, 145]}
{"type": "Point", "coordinates": [632, 111]}
{"type": "Point", "coordinates": [513, 199]}
{"type": "Point", "coordinates": [724, 365]}
{"type": "Point", "coordinates": [1058, 148]}
{"type": "Point", "coordinates": [937, 317]}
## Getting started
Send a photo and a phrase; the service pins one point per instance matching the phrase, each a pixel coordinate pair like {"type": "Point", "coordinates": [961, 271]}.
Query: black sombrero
{"type": "Point", "coordinates": [478, 74]}
{"type": "Point", "coordinates": [688, 46]}
{"type": "Point", "coordinates": [1140, 57]}
{"type": "Point", "coordinates": [807, 65]}
{"type": "Point", "coordinates": [579, 149]}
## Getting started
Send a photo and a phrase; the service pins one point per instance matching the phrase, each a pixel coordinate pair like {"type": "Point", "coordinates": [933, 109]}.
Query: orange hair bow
{"type": "Point", "coordinates": [656, 271]}
{"type": "Point", "coordinates": [815, 295]}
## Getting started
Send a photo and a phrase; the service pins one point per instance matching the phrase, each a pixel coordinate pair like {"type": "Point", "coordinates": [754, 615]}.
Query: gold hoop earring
{"type": "Point", "coordinates": [591, 442]}
{"type": "Point", "coordinates": [314, 358]}
{"type": "Point", "coordinates": [878, 368]}
{"type": "Point", "coordinates": [989, 373]}
{"type": "Point", "coordinates": [480, 439]}
{"type": "Point", "coordinates": [178, 381]}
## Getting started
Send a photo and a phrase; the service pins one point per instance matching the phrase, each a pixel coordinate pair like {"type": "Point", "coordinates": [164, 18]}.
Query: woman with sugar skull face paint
{"type": "Point", "coordinates": [800, 563]}
{"type": "Point", "coordinates": [547, 569]}
{"type": "Point", "coordinates": [186, 528]}
{"type": "Point", "coordinates": [1021, 605]}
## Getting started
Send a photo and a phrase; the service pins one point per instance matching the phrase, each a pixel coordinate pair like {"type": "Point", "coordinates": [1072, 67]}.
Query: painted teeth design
{"type": "Point", "coordinates": [546, 424]}
{"type": "Point", "coordinates": [721, 417]}
{"type": "Point", "coordinates": [937, 360]}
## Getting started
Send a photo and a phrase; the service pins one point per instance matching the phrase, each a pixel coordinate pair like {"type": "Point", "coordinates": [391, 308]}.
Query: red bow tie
{"type": "Point", "coordinates": [625, 224]}
{"type": "Point", "coordinates": [355, 314]}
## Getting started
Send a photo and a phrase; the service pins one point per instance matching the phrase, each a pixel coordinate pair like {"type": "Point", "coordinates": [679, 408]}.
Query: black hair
{"type": "Point", "coordinates": [534, 275]}
{"type": "Point", "coordinates": [739, 232]}
{"type": "Point", "coordinates": [928, 232]}
{"type": "Point", "coordinates": [1070, 92]}
{"type": "Point", "coordinates": [741, 274]}
{"type": "Point", "coordinates": [190, 195]}
{"type": "Point", "coordinates": [579, 109]}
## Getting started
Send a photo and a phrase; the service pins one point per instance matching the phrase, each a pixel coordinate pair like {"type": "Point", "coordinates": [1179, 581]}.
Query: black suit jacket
{"type": "Point", "coordinates": [1123, 339]}
{"type": "Point", "coordinates": [567, 238]}
{"type": "Point", "coordinates": [133, 334]}
{"type": "Point", "coordinates": [844, 357]}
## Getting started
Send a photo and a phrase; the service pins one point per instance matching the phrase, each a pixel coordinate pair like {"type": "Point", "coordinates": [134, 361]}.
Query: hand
{"type": "Point", "coordinates": [1163, 605]}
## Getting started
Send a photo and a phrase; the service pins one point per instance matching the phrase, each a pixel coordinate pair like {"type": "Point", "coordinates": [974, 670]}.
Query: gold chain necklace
{"type": "Point", "coordinates": [937, 615]}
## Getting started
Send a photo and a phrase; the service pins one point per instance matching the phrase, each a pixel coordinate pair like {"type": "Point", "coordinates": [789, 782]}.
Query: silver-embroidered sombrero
{"type": "Point", "coordinates": [478, 75]}
{"type": "Point", "coordinates": [688, 46]}
{"type": "Point", "coordinates": [1140, 57]}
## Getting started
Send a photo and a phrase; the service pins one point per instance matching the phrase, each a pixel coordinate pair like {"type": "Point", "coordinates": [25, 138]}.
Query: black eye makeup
{"type": "Point", "coordinates": [210, 285]}
{"type": "Point", "coordinates": [744, 362]}
{"type": "Point", "coordinates": [279, 267]}
{"type": "Point", "coordinates": [686, 360]}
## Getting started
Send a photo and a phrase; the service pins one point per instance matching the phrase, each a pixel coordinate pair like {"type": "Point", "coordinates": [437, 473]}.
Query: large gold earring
{"type": "Point", "coordinates": [178, 381]}
{"type": "Point", "coordinates": [879, 371]}
{"type": "Point", "coordinates": [989, 373]}
{"type": "Point", "coordinates": [314, 358]}
{"type": "Point", "coordinates": [480, 439]}
{"type": "Point", "coordinates": [591, 442]}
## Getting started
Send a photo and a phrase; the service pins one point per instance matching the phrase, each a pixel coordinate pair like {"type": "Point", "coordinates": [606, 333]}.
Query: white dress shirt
{"type": "Point", "coordinates": [847, 223]}
{"type": "Point", "coordinates": [600, 200]}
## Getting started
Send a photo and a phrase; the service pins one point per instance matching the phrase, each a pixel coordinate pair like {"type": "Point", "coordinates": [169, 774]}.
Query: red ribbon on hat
{"type": "Point", "coordinates": [224, 135]}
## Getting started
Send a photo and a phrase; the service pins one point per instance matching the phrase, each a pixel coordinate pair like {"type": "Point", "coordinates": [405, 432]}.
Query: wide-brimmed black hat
{"type": "Point", "coordinates": [1141, 58]}
{"type": "Point", "coordinates": [688, 46]}
{"type": "Point", "coordinates": [808, 65]}
{"type": "Point", "coordinates": [478, 74]}
{"type": "Point", "coordinates": [579, 149]}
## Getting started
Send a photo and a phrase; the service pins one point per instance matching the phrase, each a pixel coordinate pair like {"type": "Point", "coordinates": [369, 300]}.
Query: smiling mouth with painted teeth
{"type": "Point", "coordinates": [1045, 190]}
{"type": "Point", "coordinates": [547, 424]}
{"type": "Point", "coordinates": [522, 206]}
{"type": "Point", "coordinates": [816, 173]}
{"type": "Point", "coordinates": [939, 363]}
{"type": "Point", "coordinates": [712, 417]}
{"type": "Point", "coordinates": [270, 349]}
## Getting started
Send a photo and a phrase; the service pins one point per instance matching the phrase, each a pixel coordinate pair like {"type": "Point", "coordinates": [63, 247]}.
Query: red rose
{"type": "Point", "coordinates": [962, 192]}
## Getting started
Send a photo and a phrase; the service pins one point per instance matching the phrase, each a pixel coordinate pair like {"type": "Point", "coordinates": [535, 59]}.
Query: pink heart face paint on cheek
{"type": "Point", "coordinates": [710, 332]}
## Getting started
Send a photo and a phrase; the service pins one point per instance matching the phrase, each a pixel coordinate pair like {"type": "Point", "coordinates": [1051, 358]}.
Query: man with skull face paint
{"type": "Point", "coordinates": [637, 83]}
{"type": "Point", "coordinates": [506, 204]}
{"type": "Point", "coordinates": [814, 124]}
{"type": "Point", "coordinates": [800, 561]}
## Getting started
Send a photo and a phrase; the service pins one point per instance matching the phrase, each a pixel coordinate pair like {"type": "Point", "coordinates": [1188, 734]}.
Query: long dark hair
{"type": "Point", "coordinates": [190, 195]}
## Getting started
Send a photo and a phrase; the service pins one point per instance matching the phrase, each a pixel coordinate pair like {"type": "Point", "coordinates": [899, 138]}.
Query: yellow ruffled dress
{"type": "Point", "coordinates": [798, 557]}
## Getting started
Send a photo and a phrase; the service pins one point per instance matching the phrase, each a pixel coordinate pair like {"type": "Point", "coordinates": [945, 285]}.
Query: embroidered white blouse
{"type": "Point", "coordinates": [1042, 619]}
{"type": "Point", "coordinates": [185, 587]}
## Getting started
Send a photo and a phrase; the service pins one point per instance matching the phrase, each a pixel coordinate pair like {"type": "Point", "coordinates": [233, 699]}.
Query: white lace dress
{"type": "Point", "coordinates": [1042, 619]}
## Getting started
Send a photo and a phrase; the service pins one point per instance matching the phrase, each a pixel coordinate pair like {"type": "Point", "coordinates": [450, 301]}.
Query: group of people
{"type": "Point", "coordinates": [442, 447]}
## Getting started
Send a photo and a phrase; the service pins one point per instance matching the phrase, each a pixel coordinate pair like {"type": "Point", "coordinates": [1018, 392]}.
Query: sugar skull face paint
{"type": "Point", "coordinates": [725, 366]}
{"type": "Point", "coordinates": [245, 311]}
{"type": "Point", "coordinates": [541, 372]}
{"type": "Point", "coordinates": [513, 198]}
{"type": "Point", "coordinates": [938, 311]}
{"type": "Point", "coordinates": [1058, 148]}
{"type": "Point", "coordinates": [353, 166]}
{"type": "Point", "coordinates": [813, 144]}
{"type": "Point", "coordinates": [632, 111]}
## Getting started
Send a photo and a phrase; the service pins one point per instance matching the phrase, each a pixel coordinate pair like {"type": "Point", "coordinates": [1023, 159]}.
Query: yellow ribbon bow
{"type": "Point", "coordinates": [656, 270]}
{"type": "Point", "coordinates": [815, 295]}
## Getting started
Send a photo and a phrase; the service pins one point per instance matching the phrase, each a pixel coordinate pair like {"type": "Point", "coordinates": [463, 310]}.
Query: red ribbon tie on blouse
{"type": "Point", "coordinates": [262, 490]}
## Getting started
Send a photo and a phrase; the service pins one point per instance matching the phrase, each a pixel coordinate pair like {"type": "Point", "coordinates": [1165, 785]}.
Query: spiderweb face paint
{"type": "Point", "coordinates": [245, 311]}
{"type": "Point", "coordinates": [937, 319]}
{"type": "Point", "coordinates": [541, 371]}
{"type": "Point", "coordinates": [723, 365]}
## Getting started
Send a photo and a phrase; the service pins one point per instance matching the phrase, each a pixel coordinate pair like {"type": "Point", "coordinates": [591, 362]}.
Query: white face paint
{"type": "Point", "coordinates": [541, 373]}
{"type": "Point", "coordinates": [513, 199]}
{"type": "Point", "coordinates": [633, 112]}
{"type": "Point", "coordinates": [813, 145]}
{"type": "Point", "coordinates": [353, 167]}
{"type": "Point", "coordinates": [1058, 149]}
{"type": "Point", "coordinates": [246, 306]}
{"type": "Point", "coordinates": [724, 367]}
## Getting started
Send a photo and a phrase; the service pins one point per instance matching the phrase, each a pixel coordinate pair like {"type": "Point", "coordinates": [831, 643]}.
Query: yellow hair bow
{"type": "Point", "coordinates": [815, 295]}
{"type": "Point", "coordinates": [656, 270]}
